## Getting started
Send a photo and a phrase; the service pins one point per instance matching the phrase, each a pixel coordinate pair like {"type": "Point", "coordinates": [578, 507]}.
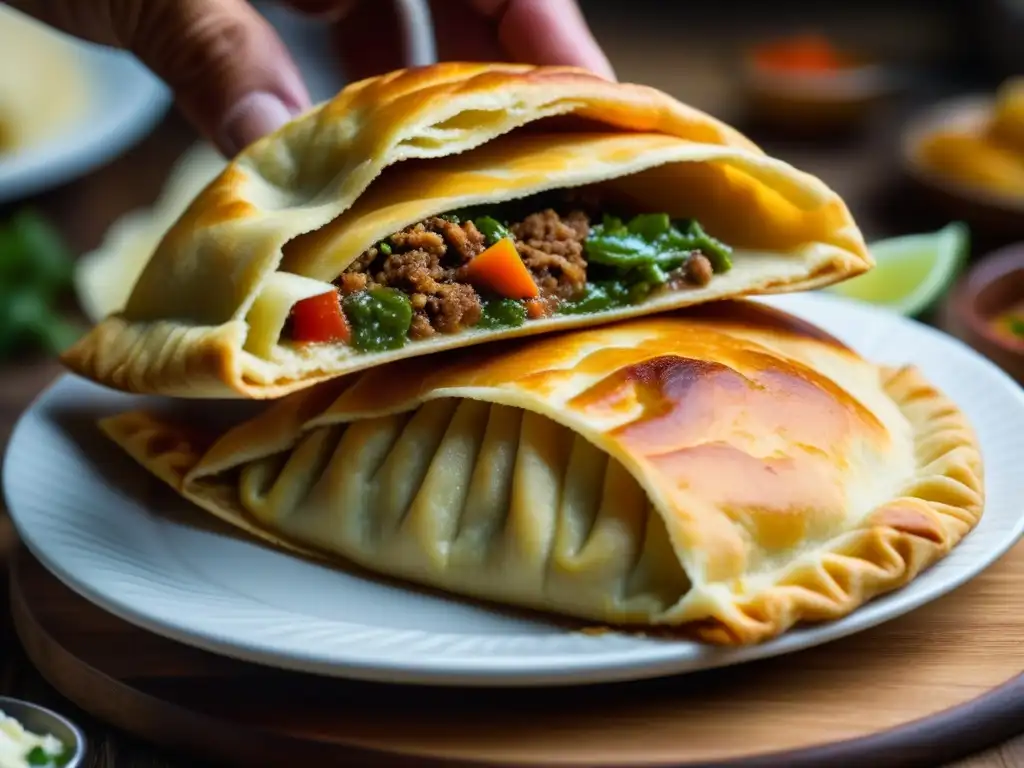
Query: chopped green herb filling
{"type": "Point", "coordinates": [380, 319]}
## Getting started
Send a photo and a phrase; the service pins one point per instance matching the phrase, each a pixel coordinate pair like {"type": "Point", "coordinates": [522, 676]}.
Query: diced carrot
{"type": "Point", "coordinates": [535, 309]}
{"type": "Point", "coordinates": [319, 319]}
{"type": "Point", "coordinates": [500, 270]}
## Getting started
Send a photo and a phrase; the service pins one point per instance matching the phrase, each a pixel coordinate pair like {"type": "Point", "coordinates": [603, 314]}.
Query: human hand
{"type": "Point", "coordinates": [234, 80]}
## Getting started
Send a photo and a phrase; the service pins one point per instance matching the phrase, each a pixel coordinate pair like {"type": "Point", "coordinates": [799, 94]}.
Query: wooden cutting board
{"type": "Point", "coordinates": [939, 683]}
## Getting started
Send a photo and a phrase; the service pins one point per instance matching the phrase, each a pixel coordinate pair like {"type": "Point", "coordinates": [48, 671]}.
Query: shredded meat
{"type": "Point", "coordinates": [419, 239]}
{"type": "Point", "coordinates": [361, 264]}
{"type": "Point", "coordinates": [421, 327]}
{"type": "Point", "coordinates": [426, 262]}
{"type": "Point", "coordinates": [465, 239]}
{"type": "Point", "coordinates": [423, 262]}
{"type": "Point", "coordinates": [698, 269]}
{"type": "Point", "coordinates": [552, 248]}
{"type": "Point", "coordinates": [352, 282]}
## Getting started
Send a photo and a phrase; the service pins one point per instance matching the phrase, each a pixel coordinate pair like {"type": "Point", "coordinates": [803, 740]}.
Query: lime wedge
{"type": "Point", "coordinates": [911, 271]}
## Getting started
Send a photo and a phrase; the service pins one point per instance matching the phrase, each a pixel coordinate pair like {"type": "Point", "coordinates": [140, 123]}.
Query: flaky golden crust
{"type": "Point", "coordinates": [170, 450]}
{"type": "Point", "coordinates": [176, 360]}
{"type": "Point", "coordinates": [104, 277]}
{"type": "Point", "coordinates": [792, 481]}
{"type": "Point", "coordinates": [891, 546]}
{"type": "Point", "coordinates": [316, 183]}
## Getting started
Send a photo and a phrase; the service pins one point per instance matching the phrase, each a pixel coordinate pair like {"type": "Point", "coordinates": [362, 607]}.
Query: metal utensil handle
{"type": "Point", "coordinates": [417, 25]}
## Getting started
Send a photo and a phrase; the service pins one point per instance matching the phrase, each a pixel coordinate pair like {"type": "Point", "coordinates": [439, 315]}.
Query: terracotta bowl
{"type": "Point", "coordinates": [983, 210]}
{"type": "Point", "coordinates": [994, 285]}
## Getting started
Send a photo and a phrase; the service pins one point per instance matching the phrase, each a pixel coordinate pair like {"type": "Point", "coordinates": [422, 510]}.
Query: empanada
{"type": "Point", "coordinates": [728, 472]}
{"type": "Point", "coordinates": [436, 208]}
{"type": "Point", "coordinates": [104, 277]}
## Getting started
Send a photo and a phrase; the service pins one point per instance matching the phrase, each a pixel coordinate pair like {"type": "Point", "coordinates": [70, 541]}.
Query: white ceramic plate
{"type": "Point", "coordinates": [126, 102]}
{"type": "Point", "coordinates": [121, 540]}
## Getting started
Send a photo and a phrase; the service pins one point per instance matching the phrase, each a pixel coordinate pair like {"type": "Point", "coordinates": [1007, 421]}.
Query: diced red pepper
{"type": "Point", "coordinates": [320, 320]}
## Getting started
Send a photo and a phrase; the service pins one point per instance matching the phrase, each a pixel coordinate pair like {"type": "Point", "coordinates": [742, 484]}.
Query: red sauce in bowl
{"type": "Point", "coordinates": [803, 54]}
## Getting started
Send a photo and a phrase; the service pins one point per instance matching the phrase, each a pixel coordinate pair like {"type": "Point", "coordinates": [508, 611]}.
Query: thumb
{"type": "Point", "coordinates": [231, 75]}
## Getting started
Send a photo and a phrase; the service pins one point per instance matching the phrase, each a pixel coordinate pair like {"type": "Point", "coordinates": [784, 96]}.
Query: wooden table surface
{"type": "Point", "coordinates": [861, 169]}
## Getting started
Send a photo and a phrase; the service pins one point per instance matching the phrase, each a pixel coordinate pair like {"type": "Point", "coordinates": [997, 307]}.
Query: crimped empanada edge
{"type": "Point", "coordinates": [896, 541]}
{"type": "Point", "coordinates": [170, 451]}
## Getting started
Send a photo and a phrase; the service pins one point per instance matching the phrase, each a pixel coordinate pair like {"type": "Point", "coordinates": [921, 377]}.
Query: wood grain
{"type": "Point", "coordinates": [844, 698]}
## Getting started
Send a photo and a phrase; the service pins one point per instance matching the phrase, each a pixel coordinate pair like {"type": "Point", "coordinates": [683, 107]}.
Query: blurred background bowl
{"type": "Point", "coordinates": [981, 207]}
{"type": "Point", "coordinates": [981, 310]}
{"type": "Point", "coordinates": [806, 86]}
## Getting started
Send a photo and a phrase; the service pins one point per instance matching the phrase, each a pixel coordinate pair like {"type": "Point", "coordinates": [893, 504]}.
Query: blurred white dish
{"type": "Point", "coordinates": [68, 106]}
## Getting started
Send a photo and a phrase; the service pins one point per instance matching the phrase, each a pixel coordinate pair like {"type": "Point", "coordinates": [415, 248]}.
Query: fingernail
{"type": "Point", "coordinates": [607, 71]}
{"type": "Point", "coordinates": [598, 62]}
{"type": "Point", "coordinates": [600, 66]}
{"type": "Point", "coordinates": [253, 116]}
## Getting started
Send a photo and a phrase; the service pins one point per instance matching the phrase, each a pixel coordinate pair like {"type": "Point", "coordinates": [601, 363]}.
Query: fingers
{"type": "Point", "coordinates": [234, 79]}
{"type": "Point", "coordinates": [230, 74]}
{"type": "Point", "coordinates": [544, 32]}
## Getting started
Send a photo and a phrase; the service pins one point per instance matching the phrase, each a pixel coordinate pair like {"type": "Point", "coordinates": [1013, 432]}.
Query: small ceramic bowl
{"type": "Point", "coordinates": [812, 102]}
{"type": "Point", "coordinates": [43, 721]}
{"type": "Point", "coordinates": [984, 210]}
{"type": "Point", "coordinates": [994, 286]}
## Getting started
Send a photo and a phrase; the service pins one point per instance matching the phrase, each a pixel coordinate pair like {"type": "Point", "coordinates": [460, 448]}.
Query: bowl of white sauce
{"type": "Point", "coordinates": [32, 736]}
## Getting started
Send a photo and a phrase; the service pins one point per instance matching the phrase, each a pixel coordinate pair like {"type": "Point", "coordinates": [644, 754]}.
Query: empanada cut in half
{"type": "Point", "coordinates": [724, 473]}
{"type": "Point", "coordinates": [441, 207]}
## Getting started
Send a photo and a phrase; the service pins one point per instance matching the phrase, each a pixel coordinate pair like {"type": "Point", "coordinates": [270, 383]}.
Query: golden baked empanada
{"type": "Point", "coordinates": [729, 471]}
{"type": "Point", "coordinates": [435, 208]}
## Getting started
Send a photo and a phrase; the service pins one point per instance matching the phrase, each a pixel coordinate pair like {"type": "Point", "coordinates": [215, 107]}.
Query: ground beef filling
{"type": "Point", "coordinates": [425, 262]}
{"type": "Point", "coordinates": [552, 249]}
{"type": "Point", "coordinates": [696, 271]}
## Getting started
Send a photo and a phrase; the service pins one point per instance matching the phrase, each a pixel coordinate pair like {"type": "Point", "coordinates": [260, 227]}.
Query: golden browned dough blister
{"type": "Point", "coordinates": [727, 472]}
{"type": "Point", "coordinates": [287, 216]}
